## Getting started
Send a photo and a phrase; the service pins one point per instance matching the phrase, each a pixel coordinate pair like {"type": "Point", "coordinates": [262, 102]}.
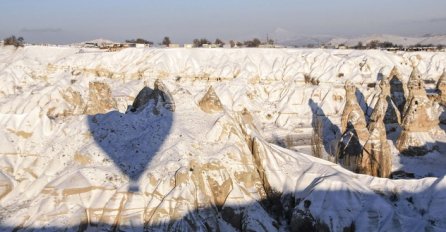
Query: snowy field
{"type": "Point", "coordinates": [73, 155]}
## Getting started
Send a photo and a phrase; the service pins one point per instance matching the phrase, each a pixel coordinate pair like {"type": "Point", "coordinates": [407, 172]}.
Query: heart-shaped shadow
{"type": "Point", "coordinates": [132, 139]}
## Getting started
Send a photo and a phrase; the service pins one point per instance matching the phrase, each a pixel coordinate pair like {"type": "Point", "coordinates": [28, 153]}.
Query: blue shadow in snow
{"type": "Point", "coordinates": [131, 140]}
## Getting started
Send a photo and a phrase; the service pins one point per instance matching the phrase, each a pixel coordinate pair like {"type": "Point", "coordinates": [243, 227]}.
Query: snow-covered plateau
{"type": "Point", "coordinates": [204, 140]}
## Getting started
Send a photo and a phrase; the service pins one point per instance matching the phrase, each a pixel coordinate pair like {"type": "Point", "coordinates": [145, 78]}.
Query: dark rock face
{"type": "Point", "coordinates": [141, 99]}
{"type": "Point", "coordinates": [398, 89]}
{"type": "Point", "coordinates": [392, 113]}
{"type": "Point", "coordinates": [160, 95]}
{"type": "Point", "coordinates": [303, 220]}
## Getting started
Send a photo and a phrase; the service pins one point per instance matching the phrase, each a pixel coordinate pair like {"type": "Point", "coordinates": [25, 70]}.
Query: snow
{"type": "Point", "coordinates": [60, 167]}
{"type": "Point", "coordinates": [395, 39]}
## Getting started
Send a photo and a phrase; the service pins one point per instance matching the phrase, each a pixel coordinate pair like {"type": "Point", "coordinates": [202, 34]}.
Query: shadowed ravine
{"type": "Point", "coordinates": [293, 212]}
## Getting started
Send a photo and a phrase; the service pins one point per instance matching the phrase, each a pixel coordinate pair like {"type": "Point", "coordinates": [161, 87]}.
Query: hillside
{"type": "Point", "coordinates": [201, 140]}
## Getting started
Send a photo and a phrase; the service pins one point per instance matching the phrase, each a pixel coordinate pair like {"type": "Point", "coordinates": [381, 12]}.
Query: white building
{"type": "Point", "coordinates": [174, 45]}
{"type": "Point", "coordinates": [210, 45]}
{"type": "Point", "coordinates": [188, 45]}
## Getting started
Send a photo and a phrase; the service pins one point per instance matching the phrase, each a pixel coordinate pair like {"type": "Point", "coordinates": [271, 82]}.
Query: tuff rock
{"type": "Point", "coordinates": [420, 117]}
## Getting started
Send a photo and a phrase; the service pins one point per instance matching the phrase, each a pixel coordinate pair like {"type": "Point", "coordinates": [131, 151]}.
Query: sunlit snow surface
{"type": "Point", "coordinates": [60, 168]}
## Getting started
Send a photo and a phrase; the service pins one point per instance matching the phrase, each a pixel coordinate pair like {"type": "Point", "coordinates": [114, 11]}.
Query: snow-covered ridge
{"type": "Point", "coordinates": [395, 39]}
{"type": "Point", "coordinates": [72, 157]}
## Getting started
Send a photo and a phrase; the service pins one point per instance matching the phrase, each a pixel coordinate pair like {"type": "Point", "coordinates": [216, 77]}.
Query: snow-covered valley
{"type": "Point", "coordinates": [205, 140]}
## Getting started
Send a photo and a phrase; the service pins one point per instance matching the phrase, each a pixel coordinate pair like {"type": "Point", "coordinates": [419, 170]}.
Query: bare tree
{"type": "Point", "coordinates": [252, 43]}
{"type": "Point", "coordinates": [219, 42]}
{"type": "Point", "coordinates": [200, 42]}
{"type": "Point", "coordinates": [232, 43]}
{"type": "Point", "coordinates": [14, 41]}
{"type": "Point", "coordinates": [166, 41]}
{"type": "Point", "coordinates": [139, 41]}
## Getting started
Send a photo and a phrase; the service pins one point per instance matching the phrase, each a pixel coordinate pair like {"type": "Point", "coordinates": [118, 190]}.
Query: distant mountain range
{"type": "Point", "coordinates": [333, 40]}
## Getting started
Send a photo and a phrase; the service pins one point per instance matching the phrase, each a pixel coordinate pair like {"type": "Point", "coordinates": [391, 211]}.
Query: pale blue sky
{"type": "Point", "coordinates": [63, 21]}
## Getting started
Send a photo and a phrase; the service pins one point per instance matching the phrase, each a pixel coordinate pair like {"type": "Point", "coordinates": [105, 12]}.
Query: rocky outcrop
{"type": "Point", "coordinates": [5, 185]}
{"type": "Point", "coordinates": [419, 119]}
{"type": "Point", "coordinates": [74, 99]}
{"type": "Point", "coordinates": [415, 86]}
{"type": "Point", "coordinates": [100, 99]}
{"type": "Point", "coordinates": [354, 131]}
{"type": "Point", "coordinates": [366, 150]}
{"type": "Point", "coordinates": [210, 103]}
{"type": "Point", "coordinates": [141, 99]}
{"type": "Point", "coordinates": [160, 95]}
{"type": "Point", "coordinates": [398, 89]}
{"type": "Point", "coordinates": [441, 88]}
{"type": "Point", "coordinates": [303, 220]}
{"type": "Point", "coordinates": [392, 114]}
{"type": "Point", "coordinates": [376, 155]}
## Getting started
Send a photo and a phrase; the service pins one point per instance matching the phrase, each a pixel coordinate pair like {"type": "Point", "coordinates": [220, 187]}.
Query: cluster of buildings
{"type": "Point", "coordinates": [112, 47]}
{"type": "Point", "coordinates": [395, 48]}
{"type": "Point", "coordinates": [115, 46]}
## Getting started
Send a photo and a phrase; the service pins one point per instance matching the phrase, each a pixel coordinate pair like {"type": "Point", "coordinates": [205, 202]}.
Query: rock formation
{"type": "Point", "coordinates": [354, 131]}
{"type": "Point", "coordinates": [398, 89]}
{"type": "Point", "coordinates": [75, 101]}
{"type": "Point", "coordinates": [441, 88]}
{"type": "Point", "coordinates": [415, 86]}
{"type": "Point", "coordinates": [365, 150]}
{"type": "Point", "coordinates": [161, 96]}
{"type": "Point", "coordinates": [210, 103]}
{"type": "Point", "coordinates": [141, 99]}
{"type": "Point", "coordinates": [418, 120]}
{"type": "Point", "coordinates": [392, 113]}
{"type": "Point", "coordinates": [100, 99]}
{"type": "Point", "coordinates": [376, 156]}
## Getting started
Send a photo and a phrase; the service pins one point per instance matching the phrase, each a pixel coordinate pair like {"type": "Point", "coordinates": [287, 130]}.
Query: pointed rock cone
{"type": "Point", "coordinates": [354, 131]}
{"type": "Point", "coordinates": [441, 88]}
{"type": "Point", "coordinates": [415, 87]}
{"type": "Point", "coordinates": [398, 89]}
{"type": "Point", "coordinates": [419, 119]}
{"type": "Point", "coordinates": [100, 99]}
{"type": "Point", "coordinates": [162, 95]}
{"type": "Point", "coordinates": [141, 99]}
{"type": "Point", "coordinates": [376, 157]}
{"type": "Point", "coordinates": [210, 103]}
{"type": "Point", "coordinates": [353, 116]}
{"type": "Point", "coordinates": [392, 113]}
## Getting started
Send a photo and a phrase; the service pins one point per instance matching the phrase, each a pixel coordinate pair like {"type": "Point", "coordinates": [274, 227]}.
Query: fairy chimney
{"type": "Point", "coordinates": [419, 119]}
{"type": "Point", "coordinates": [441, 88]}
{"type": "Point", "coordinates": [391, 114]}
{"type": "Point", "coordinates": [398, 89]}
{"type": "Point", "coordinates": [376, 156]}
{"type": "Point", "coordinates": [354, 131]}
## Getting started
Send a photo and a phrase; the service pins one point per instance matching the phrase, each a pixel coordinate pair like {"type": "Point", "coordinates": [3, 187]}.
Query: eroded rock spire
{"type": "Point", "coordinates": [419, 119]}
{"type": "Point", "coordinates": [354, 131]}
